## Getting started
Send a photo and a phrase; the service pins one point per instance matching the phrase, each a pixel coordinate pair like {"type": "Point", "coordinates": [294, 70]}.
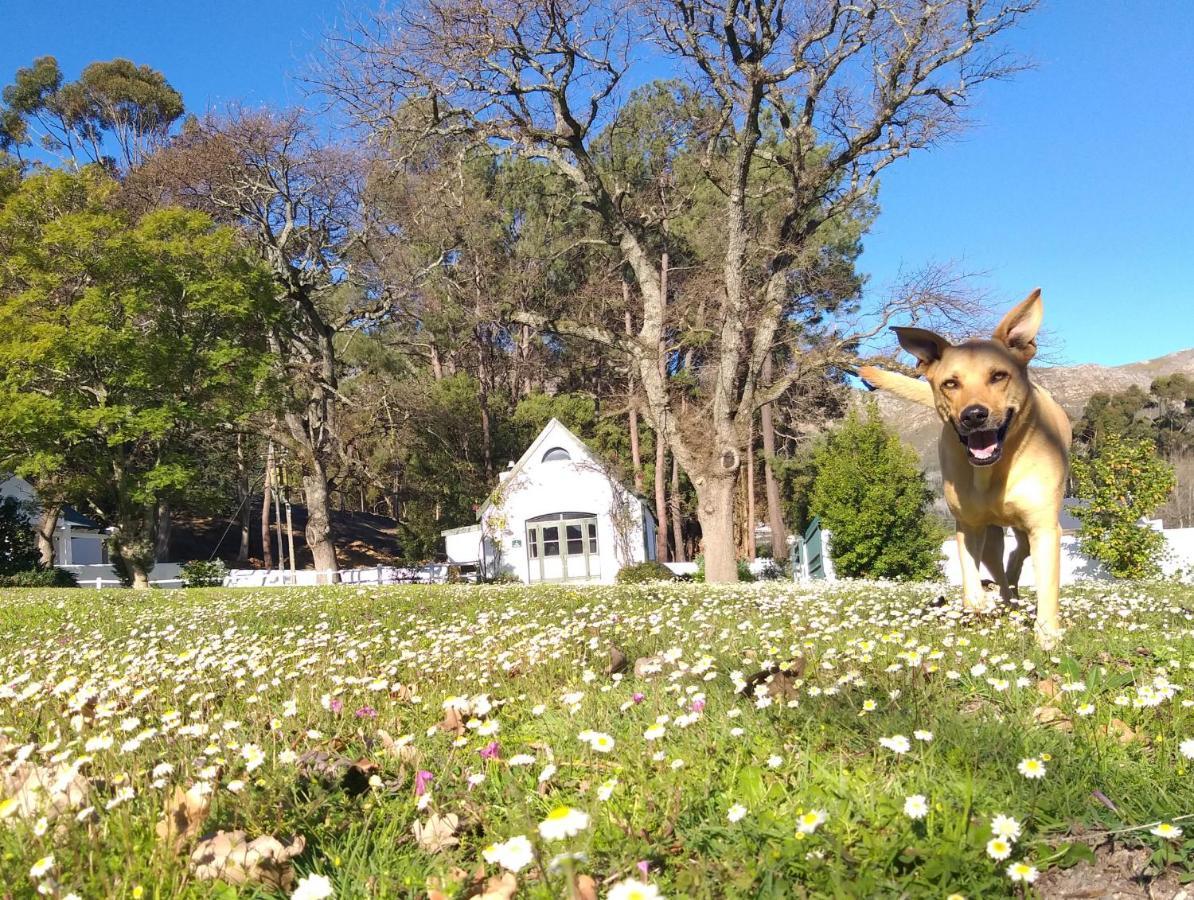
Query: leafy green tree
{"type": "Point", "coordinates": [871, 494]}
{"type": "Point", "coordinates": [18, 552]}
{"type": "Point", "coordinates": [135, 106]}
{"type": "Point", "coordinates": [1123, 482]}
{"type": "Point", "coordinates": [121, 341]}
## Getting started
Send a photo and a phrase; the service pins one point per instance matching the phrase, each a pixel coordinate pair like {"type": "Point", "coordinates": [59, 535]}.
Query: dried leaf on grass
{"type": "Point", "coordinates": [453, 721]}
{"type": "Point", "coordinates": [500, 887]}
{"type": "Point", "coordinates": [265, 860]}
{"type": "Point", "coordinates": [1122, 732]}
{"type": "Point", "coordinates": [45, 791]}
{"type": "Point", "coordinates": [585, 888]}
{"type": "Point", "coordinates": [437, 832]}
{"type": "Point", "coordinates": [1052, 717]}
{"type": "Point", "coordinates": [186, 811]}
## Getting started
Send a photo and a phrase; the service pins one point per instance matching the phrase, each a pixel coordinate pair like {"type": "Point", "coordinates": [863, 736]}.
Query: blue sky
{"type": "Point", "coordinates": [1078, 176]}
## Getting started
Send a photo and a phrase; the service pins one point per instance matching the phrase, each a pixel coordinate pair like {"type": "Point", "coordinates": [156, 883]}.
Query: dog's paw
{"type": "Point", "coordinates": [1048, 636]}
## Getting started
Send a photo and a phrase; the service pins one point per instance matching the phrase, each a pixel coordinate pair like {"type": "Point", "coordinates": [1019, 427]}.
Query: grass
{"type": "Point", "coordinates": [119, 683]}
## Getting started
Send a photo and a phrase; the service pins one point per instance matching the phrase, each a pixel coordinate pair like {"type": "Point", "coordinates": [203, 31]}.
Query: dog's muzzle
{"type": "Point", "coordinates": [984, 447]}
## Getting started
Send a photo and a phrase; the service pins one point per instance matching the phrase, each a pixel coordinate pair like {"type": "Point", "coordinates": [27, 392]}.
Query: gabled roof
{"type": "Point", "coordinates": [554, 434]}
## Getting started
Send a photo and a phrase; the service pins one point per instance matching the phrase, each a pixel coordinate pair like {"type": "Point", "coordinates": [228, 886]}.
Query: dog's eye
{"type": "Point", "coordinates": [949, 384]}
{"type": "Point", "coordinates": [998, 376]}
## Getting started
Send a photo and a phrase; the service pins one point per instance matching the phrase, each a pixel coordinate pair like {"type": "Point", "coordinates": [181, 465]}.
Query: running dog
{"type": "Point", "coordinates": [1004, 451]}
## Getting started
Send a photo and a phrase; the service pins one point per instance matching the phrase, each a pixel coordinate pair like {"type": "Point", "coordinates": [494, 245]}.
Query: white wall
{"type": "Point", "coordinates": [565, 486]}
{"type": "Point", "coordinates": [1179, 555]}
{"type": "Point", "coordinates": [464, 547]}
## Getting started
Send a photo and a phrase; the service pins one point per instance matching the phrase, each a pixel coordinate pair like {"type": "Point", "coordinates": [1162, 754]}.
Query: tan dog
{"type": "Point", "coordinates": [1004, 453]}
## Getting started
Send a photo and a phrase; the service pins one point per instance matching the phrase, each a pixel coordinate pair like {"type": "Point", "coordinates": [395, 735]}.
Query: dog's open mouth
{"type": "Point", "coordinates": [983, 448]}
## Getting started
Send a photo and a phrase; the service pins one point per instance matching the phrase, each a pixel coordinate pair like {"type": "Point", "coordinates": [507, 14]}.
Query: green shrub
{"type": "Point", "coordinates": [744, 572]}
{"type": "Point", "coordinates": [40, 578]}
{"type": "Point", "coordinates": [202, 573]}
{"type": "Point", "coordinates": [639, 573]}
{"type": "Point", "coordinates": [1123, 482]}
{"type": "Point", "coordinates": [872, 496]}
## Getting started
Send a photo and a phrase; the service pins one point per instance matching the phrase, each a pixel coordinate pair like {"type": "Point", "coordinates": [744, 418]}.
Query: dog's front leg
{"type": "Point", "coordinates": [970, 553]}
{"type": "Point", "coordinates": [1046, 567]}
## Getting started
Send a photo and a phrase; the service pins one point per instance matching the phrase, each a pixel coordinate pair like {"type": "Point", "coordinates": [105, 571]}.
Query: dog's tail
{"type": "Point", "coordinates": [901, 385]}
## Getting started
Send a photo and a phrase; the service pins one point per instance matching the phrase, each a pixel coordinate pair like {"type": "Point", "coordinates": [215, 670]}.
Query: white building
{"type": "Point", "coordinates": [78, 541]}
{"type": "Point", "coordinates": [557, 514]}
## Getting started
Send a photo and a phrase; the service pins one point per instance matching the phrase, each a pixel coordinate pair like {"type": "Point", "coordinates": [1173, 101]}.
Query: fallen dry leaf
{"type": "Point", "coordinates": [500, 887]}
{"type": "Point", "coordinates": [186, 811]}
{"type": "Point", "coordinates": [229, 857]}
{"type": "Point", "coordinates": [1052, 717]}
{"type": "Point", "coordinates": [585, 888]}
{"type": "Point", "coordinates": [437, 832]}
{"type": "Point", "coordinates": [45, 791]}
{"type": "Point", "coordinates": [1048, 687]}
{"type": "Point", "coordinates": [452, 721]}
{"type": "Point", "coordinates": [1121, 731]}
{"type": "Point", "coordinates": [617, 662]}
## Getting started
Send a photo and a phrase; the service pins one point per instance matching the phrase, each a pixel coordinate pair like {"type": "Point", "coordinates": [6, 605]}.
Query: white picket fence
{"type": "Point", "coordinates": [166, 575]}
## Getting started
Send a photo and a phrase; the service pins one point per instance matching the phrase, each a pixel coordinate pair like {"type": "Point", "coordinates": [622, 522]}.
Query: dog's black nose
{"type": "Point", "coordinates": [975, 416]}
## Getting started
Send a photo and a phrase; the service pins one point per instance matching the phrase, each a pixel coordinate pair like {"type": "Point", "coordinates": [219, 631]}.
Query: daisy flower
{"type": "Point", "coordinates": [563, 822]}
{"type": "Point", "coordinates": [736, 812]}
{"type": "Point", "coordinates": [922, 735]}
{"type": "Point", "coordinates": [809, 822]}
{"type": "Point", "coordinates": [633, 889]}
{"type": "Point", "coordinates": [1166, 830]}
{"type": "Point", "coordinates": [916, 807]}
{"type": "Point", "coordinates": [42, 866]}
{"type": "Point", "coordinates": [1187, 748]}
{"type": "Point", "coordinates": [1022, 872]}
{"type": "Point", "coordinates": [1005, 827]}
{"type": "Point", "coordinates": [654, 733]}
{"type": "Point", "coordinates": [999, 848]}
{"type": "Point", "coordinates": [1032, 768]}
{"type": "Point", "coordinates": [514, 854]}
{"type": "Point", "coordinates": [897, 744]}
{"type": "Point", "coordinates": [312, 887]}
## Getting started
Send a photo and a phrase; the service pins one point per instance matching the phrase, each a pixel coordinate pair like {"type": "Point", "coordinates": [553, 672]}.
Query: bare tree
{"type": "Point", "coordinates": [812, 101]}
{"type": "Point", "coordinates": [297, 202]}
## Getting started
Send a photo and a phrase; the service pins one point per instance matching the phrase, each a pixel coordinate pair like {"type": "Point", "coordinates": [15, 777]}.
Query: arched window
{"type": "Point", "coordinates": [555, 454]}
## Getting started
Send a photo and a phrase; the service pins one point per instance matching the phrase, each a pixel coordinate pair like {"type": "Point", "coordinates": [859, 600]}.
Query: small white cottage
{"type": "Point", "coordinates": [77, 539]}
{"type": "Point", "coordinates": [556, 515]}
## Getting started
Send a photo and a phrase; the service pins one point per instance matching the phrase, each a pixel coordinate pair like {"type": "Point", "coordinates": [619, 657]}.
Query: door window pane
{"type": "Point", "coordinates": [533, 543]}
{"type": "Point", "coordinates": [551, 548]}
{"type": "Point", "coordinates": [576, 545]}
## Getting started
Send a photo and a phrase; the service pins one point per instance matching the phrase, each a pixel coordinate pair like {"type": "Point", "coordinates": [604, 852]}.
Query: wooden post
{"type": "Point", "coordinates": [289, 530]}
{"type": "Point", "coordinates": [267, 553]}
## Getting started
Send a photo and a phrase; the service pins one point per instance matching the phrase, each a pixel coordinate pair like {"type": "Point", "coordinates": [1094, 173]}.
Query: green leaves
{"type": "Point", "coordinates": [1123, 482]}
{"type": "Point", "coordinates": [121, 340]}
{"type": "Point", "coordinates": [871, 495]}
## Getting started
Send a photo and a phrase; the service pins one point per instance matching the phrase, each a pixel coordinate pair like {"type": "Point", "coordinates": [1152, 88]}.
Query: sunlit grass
{"type": "Point", "coordinates": [320, 679]}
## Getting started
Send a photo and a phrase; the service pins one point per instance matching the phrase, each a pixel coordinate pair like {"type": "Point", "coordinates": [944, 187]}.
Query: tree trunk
{"type": "Point", "coordinates": [661, 516]}
{"type": "Point", "coordinates": [748, 544]}
{"type": "Point", "coordinates": [775, 512]}
{"type": "Point", "coordinates": [319, 519]}
{"type": "Point", "coordinates": [46, 526]}
{"type": "Point", "coordinates": [161, 540]}
{"type": "Point", "coordinates": [267, 553]}
{"type": "Point", "coordinates": [715, 510]}
{"type": "Point", "coordinates": [278, 482]}
{"type": "Point", "coordinates": [242, 495]}
{"type": "Point", "coordinates": [636, 456]}
{"type": "Point", "coordinates": [678, 552]}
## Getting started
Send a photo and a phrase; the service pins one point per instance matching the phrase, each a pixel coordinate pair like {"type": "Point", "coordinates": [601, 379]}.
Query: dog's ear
{"type": "Point", "coordinates": [1018, 329]}
{"type": "Point", "coordinates": [925, 345]}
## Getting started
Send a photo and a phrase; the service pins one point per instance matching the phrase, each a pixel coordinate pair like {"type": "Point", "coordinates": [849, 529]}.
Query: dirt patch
{"type": "Point", "coordinates": [1117, 873]}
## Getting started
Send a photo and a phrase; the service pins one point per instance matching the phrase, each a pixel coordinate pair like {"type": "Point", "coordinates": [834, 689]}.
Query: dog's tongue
{"type": "Point", "coordinates": [982, 444]}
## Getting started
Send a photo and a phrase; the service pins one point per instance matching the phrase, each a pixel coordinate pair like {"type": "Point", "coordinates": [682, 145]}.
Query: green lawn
{"type": "Point", "coordinates": [322, 713]}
